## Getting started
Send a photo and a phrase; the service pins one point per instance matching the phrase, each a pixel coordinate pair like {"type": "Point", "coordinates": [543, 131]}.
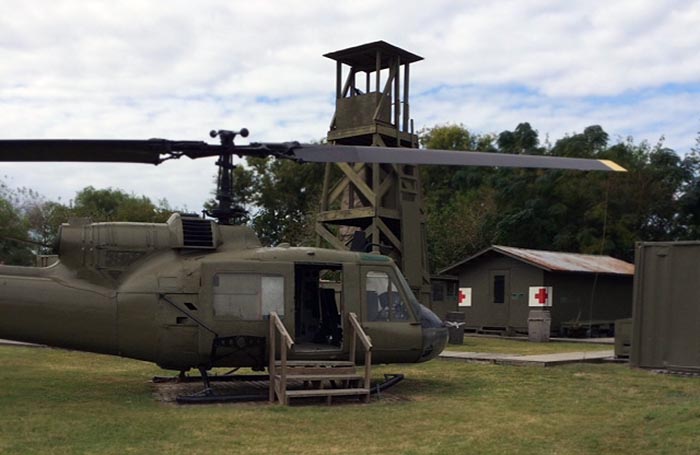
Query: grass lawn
{"type": "Point", "coordinates": [506, 346]}
{"type": "Point", "coordinates": [55, 401]}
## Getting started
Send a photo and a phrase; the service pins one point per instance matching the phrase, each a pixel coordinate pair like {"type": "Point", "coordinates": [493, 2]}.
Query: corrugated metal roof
{"type": "Point", "coordinates": [560, 262]}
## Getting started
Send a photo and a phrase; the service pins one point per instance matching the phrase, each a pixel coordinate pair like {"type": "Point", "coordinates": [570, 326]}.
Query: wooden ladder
{"type": "Point", "coordinates": [320, 378]}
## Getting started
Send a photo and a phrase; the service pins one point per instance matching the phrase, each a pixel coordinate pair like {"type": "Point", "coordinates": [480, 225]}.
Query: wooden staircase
{"type": "Point", "coordinates": [320, 378]}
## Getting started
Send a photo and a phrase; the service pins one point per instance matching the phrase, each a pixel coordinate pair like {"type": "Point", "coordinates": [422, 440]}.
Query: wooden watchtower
{"type": "Point", "coordinates": [375, 207]}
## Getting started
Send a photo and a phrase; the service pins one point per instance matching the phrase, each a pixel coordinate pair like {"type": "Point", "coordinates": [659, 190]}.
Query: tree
{"type": "Point", "coordinates": [38, 220]}
{"type": "Point", "coordinates": [44, 219]}
{"type": "Point", "coordinates": [13, 235]}
{"type": "Point", "coordinates": [689, 201]}
{"type": "Point", "coordinates": [455, 137]}
{"type": "Point", "coordinates": [458, 201]}
{"type": "Point", "coordinates": [115, 205]}
{"type": "Point", "coordinates": [282, 198]}
{"type": "Point", "coordinates": [14, 232]}
{"type": "Point", "coordinates": [440, 182]}
{"type": "Point", "coordinates": [591, 212]}
{"type": "Point", "coordinates": [523, 140]}
{"type": "Point", "coordinates": [592, 141]}
{"type": "Point", "coordinates": [287, 198]}
{"type": "Point", "coordinates": [459, 228]}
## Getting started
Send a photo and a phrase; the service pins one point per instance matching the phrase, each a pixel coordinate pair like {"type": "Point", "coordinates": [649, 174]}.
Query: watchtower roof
{"type": "Point", "coordinates": [364, 57]}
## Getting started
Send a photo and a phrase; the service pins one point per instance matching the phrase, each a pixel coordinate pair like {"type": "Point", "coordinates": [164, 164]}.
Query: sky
{"type": "Point", "coordinates": [177, 69]}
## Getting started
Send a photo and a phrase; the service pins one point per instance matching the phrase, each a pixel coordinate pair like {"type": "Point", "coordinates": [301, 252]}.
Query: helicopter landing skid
{"type": "Point", "coordinates": [209, 396]}
{"type": "Point", "coordinates": [216, 378]}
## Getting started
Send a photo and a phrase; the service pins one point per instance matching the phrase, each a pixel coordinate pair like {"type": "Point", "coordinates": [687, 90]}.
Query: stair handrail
{"type": "Point", "coordinates": [276, 325]}
{"type": "Point", "coordinates": [359, 332]}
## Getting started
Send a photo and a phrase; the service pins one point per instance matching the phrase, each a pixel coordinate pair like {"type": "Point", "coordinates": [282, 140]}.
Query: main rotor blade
{"type": "Point", "coordinates": [94, 150]}
{"type": "Point", "coordinates": [155, 151]}
{"type": "Point", "coordinates": [358, 154]}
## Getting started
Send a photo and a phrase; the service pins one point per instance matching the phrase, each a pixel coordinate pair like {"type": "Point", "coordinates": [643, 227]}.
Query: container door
{"type": "Point", "coordinates": [681, 339]}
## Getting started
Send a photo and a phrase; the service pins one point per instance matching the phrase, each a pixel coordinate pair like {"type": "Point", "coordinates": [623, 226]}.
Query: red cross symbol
{"type": "Point", "coordinates": [541, 296]}
{"type": "Point", "coordinates": [461, 296]}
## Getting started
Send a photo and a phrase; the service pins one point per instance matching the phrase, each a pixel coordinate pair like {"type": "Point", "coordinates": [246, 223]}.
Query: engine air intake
{"type": "Point", "coordinates": [197, 233]}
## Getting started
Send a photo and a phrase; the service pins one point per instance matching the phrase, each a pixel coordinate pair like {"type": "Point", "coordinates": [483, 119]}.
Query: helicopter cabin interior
{"type": "Point", "coordinates": [318, 307]}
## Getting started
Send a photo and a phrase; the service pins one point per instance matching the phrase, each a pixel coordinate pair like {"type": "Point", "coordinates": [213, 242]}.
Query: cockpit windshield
{"type": "Point", "coordinates": [412, 300]}
{"type": "Point", "coordinates": [384, 298]}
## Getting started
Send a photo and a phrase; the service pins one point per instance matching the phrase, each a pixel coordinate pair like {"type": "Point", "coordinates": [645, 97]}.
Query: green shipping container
{"type": "Point", "coordinates": [666, 313]}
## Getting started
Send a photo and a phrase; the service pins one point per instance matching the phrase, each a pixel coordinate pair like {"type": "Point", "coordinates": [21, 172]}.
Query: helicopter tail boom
{"type": "Point", "coordinates": [55, 313]}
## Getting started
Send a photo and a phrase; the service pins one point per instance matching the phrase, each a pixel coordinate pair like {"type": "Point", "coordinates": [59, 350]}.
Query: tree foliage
{"type": "Point", "coordinates": [115, 205]}
{"type": "Point", "coordinates": [591, 212]}
{"type": "Point", "coordinates": [14, 230]}
{"type": "Point", "coordinates": [456, 220]}
{"type": "Point", "coordinates": [26, 216]}
{"type": "Point", "coordinates": [282, 198]}
{"type": "Point", "coordinates": [13, 234]}
{"type": "Point", "coordinates": [286, 197]}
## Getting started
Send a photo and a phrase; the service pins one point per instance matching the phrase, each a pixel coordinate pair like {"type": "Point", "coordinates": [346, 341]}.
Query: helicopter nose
{"type": "Point", "coordinates": [434, 335]}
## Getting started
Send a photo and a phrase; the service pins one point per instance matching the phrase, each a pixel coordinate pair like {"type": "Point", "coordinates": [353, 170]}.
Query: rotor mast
{"type": "Point", "coordinates": [227, 210]}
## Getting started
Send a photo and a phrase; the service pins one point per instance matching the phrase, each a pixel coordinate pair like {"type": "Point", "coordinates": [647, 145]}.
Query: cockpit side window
{"type": "Point", "coordinates": [384, 301]}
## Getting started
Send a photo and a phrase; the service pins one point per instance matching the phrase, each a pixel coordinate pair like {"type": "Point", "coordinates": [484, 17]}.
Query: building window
{"type": "Point", "coordinates": [452, 289]}
{"type": "Point", "coordinates": [438, 291]}
{"type": "Point", "coordinates": [499, 289]}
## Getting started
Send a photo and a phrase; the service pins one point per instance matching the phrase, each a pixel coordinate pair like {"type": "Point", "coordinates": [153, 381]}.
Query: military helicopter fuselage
{"type": "Point", "coordinates": [192, 293]}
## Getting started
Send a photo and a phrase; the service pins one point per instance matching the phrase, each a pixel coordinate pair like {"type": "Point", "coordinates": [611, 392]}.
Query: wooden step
{"type": "Point", "coordinates": [315, 371]}
{"type": "Point", "coordinates": [317, 363]}
{"type": "Point", "coordinates": [322, 377]}
{"type": "Point", "coordinates": [326, 393]}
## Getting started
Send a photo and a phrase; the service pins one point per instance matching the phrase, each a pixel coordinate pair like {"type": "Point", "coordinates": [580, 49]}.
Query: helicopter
{"type": "Point", "coordinates": [199, 291]}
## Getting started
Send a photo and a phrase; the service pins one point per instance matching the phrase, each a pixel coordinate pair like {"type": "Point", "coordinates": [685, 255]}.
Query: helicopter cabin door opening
{"type": "Point", "coordinates": [318, 306]}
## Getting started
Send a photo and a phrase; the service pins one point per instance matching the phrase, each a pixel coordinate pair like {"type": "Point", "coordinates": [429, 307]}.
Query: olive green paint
{"type": "Point", "coordinates": [136, 290]}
